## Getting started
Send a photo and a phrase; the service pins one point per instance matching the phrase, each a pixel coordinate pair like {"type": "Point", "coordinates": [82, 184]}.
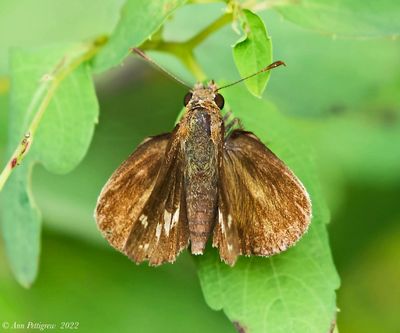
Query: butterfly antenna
{"type": "Point", "coordinates": [147, 58]}
{"type": "Point", "coordinates": [266, 69]}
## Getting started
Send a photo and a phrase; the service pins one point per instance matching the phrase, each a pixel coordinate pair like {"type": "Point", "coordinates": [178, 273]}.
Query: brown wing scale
{"type": "Point", "coordinates": [265, 208]}
{"type": "Point", "coordinates": [225, 235]}
{"type": "Point", "coordinates": [141, 208]}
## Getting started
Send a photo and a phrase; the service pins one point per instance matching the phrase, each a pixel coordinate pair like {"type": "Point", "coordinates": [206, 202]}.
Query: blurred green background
{"type": "Point", "coordinates": [346, 94]}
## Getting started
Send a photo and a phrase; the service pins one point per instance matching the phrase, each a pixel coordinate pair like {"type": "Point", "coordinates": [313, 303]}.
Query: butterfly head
{"type": "Point", "coordinates": [204, 96]}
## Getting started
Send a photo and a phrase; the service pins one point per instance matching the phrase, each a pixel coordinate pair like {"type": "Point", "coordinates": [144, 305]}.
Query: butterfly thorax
{"type": "Point", "coordinates": [200, 147]}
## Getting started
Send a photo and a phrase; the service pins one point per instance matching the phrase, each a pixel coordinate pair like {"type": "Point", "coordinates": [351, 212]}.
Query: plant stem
{"type": "Point", "coordinates": [49, 86]}
{"type": "Point", "coordinates": [192, 64]}
{"type": "Point", "coordinates": [213, 27]}
{"type": "Point", "coordinates": [184, 50]}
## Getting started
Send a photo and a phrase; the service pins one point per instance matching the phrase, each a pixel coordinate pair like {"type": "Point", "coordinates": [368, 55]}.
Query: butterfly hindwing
{"type": "Point", "coordinates": [265, 205]}
{"type": "Point", "coordinates": [161, 230]}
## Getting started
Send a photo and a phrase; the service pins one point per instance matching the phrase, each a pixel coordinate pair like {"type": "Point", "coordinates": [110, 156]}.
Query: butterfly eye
{"type": "Point", "coordinates": [219, 100]}
{"type": "Point", "coordinates": [187, 98]}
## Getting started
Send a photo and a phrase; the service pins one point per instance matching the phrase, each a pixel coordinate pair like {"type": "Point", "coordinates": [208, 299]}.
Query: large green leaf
{"type": "Point", "coordinates": [253, 52]}
{"type": "Point", "coordinates": [49, 22]}
{"type": "Point", "coordinates": [127, 298]}
{"type": "Point", "coordinates": [316, 81]}
{"type": "Point", "coordinates": [315, 85]}
{"type": "Point", "coordinates": [59, 143]}
{"type": "Point", "coordinates": [290, 292]}
{"type": "Point", "coordinates": [139, 20]}
{"type": "Point", "coordinates": [356, 18]}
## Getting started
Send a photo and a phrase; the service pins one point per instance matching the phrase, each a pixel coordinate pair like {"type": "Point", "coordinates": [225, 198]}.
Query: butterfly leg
{"type": "Point", "coordinates": [235, 123]}
{"type": "Point", "coordinates": [231, 124]}
{"type": "Point", "coordinates": [226, 116]}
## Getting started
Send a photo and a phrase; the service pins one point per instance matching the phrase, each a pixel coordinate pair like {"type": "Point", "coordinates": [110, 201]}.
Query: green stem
{"type": "Point", "coordinates": [192, 64]}
{"type": "Point", "coordinates": [49, 86]}
{"type": "Point", "coordinates": [184, 50]}
{"type": "Point", "coordinates": [213, 27]}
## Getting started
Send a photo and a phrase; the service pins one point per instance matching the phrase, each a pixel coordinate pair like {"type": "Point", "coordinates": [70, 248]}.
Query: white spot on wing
{"type": "Point", "coordinates": [158, 231]}
{"type": "Point", "coordinates": [221, 221]}
{"type": "Point", "coordinates": [141, 172]}
{"type": "Point", "coordinates": [175, 218]}
{"type": "Point", "coordinates": [229, 220]}
{"type": "Point", "coordinates": [146, 246]}
{"type": "Point", "coordinates": [167, 222]}
{"type": "Point", "coordinates": [143, 220]}
{"type": "Point", "coordinates": [230, 247]}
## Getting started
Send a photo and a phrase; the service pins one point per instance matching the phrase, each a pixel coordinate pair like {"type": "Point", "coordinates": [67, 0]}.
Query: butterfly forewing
{"type": "Point", "coordinates": [163, 229]}
{"type": "Point", "coordinates": [126, 192]}
{"type": "Point", "coordinates": [139, 208]}
{"type": "Point", "coordinates": [225, 235]}
{"type": "Point", "coordinates": [266, 205]}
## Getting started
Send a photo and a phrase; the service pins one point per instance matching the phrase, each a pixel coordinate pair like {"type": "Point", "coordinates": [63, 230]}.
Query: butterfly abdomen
{"type": "Point", "coordinates": [201, 178]}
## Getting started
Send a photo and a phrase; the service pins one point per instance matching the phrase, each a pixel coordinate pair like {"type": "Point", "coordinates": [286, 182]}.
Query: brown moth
{"type": "Point", "coordinates": [202, 181]}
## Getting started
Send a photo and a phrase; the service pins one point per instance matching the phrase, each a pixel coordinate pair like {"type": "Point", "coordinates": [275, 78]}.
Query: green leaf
{"type": "Point", "coordinates": [21, 226]}
{"type": "Point", "coordinates": [295, 290]}
{"type": "Point", "coordinates": [356, 18]}
{"type": "Point", "coordinates": [253, 53]}
{"type": "Point", "coordinates": [53, 22]}
{"type": "Point", "coordinates": [315, 80]}
{"type": "Point", "coordinates": [60, 143]}
{"type": "Point", "coordinates": [139, 20]}
{"type": "Point", "coordinates": [127, 299]}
